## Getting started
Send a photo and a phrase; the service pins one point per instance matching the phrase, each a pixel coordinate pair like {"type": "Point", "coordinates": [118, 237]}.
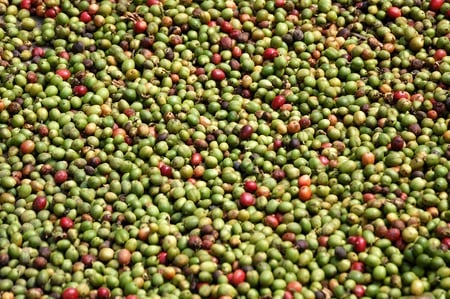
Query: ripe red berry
{"type": "Point", "coordinates": [360, 244]}
{"type": "Point", "coordinates": [216, 58]}
{"type": "Point", "coordinates": [278, 101]}
{"type": "Point", "coordinates": [218, 74]}
{"type": "Point", "coordinates": [60, 176]}
{"type": "Point", "coordinates": [25, 4]}
{"type": "Point", "coordinates": [400, 94]}
{"type": "Point", "coordinates": [439, 54]}
{"type": "Point", "coordinates": [80, 90]}
{"type": "Point", "coordinates": [236, 52]}
{"type": "Point", "coordinates": [64, 54]}
{"type": "Point", "coordinates": [63, 73]}
{"type": "Point", "coordinates": [270, 53]}
{"type": "Point", "coordinates": [103, 293]}
{"type": "Point", "coordinates": [280, 3]}
{"type": "Point", "coordinates": [247, 199]}
{"type": "Point", "coordinates": [166, 170]}
{"type": "Point", "coordinates": [51, 12]}
{"type": "Point", "coordinates": [357, 266]}
{"type": "Point", "coordinates": [226, 27]}
{"type": "Point", "coordinates": [196, 159]}
{"type": "Point", "coordinates": [85, 17]}
{"type": "Point", "coordinates": [162, 257]}
{"type": "Point", "coordinates": [39, 203]}
{"type": "Point", "coordinates": [352, 239]}
{"type": "Point", "coordinates": [271, 221]}
{"type": "Point", "coordinates": [70, 293]}
{"type": "Point", "coordinates": [140, 26]}
{"type": "Point", "coordinates": [250, 186]}
{"type": "Point", "coordinates": [394, 12]}
{"type": "Point", "coordinates": [359, 290]}
{"type": "Point", "coordinates": [152, 2]}
{"type": "Point", "coordinates": [38, 51]}
{"type": "Point", "coordinates": [246, 132]}
{"type": "Point", "coordinates": [66, 223]}
{"type": "Point", "coordinates": [435, 5]}
{"type": "Point", "coordinates": [238, 277]}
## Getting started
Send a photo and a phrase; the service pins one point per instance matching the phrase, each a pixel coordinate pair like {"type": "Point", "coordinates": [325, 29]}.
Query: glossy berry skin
{"type": "Point", "coordinates": [140, 26]}
{"type": "Point", "coordinates": [25, 4]}
{"type": "Point", "coordinates": [247, 199]}
{"type": "Point", "coordinates": [360, 244]}
{"type": "Point", "coordinates": [218, 75]}
{"type": "Point", "coordinates": [394, 12]}
{"type": "Point", "coordinates": [80, 90]}
{"type": "Point", "coordinates": [435, 5]}
{"type": "Point", "coordinates": [63, 73]}
{"type": "Point", "coordinates": [85, 17]}
{"type": "Point", "coordinates": [226, 27]}
{"type": "Point", "coordinates": [152, 2]}
{"type": "Point", "coordinates": [358, 266]}
{"type": "Point", "coordinates": [270, 53]}
{"type": "Point", "coordinates": [359, 290]}
{"type": "Point", "coordinates": [439, 54]}
{"type": "Point", "coordinates": [196, 159]}
{"type": "Point", "coordinates": [278, 101]}
{"type": "Point", "coordinates": [66, 223]}
{"type": "Point", "coordinates": [162, 258]}
{"type": "Point", "coordinates": [271, 221]}
{"type": "Point", "coordinates": [400, 94]}
{"type": "Point", "coordinates": [166, 170]}
{"type": "Point", "coordinates": [70, 293]}
{"type": "Point", "coordinates": [250, 186]}
{"type": "Point", "coordinates": [39, 203]}
{"type": "Point", "coordinates": [103, 293]}
{"type": "Point", "coordinates": [246, 132]}
{"type": "Point", "coordinates": [238, 277]}
{"type": "Point", "coordinates": [280, 3]}
{"type": "Point", "coordinates": [61, 176]}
